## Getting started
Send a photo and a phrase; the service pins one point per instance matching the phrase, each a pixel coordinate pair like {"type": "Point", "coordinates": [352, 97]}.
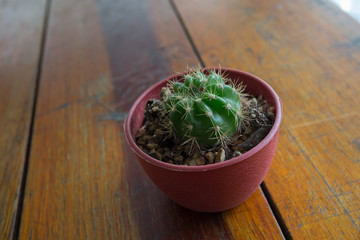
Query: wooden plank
{"type": "Point", "coordinates": [309, 51]}
{"type": "Point", "coordinates": [21, 26]}
{"type": "Point", "coordinates": [83, 180]}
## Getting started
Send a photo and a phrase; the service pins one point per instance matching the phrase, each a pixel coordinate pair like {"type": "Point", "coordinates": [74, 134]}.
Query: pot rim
{"type": "Point", "coordinates": [180, 168]}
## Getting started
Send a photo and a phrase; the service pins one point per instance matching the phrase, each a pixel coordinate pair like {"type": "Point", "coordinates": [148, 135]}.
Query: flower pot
{"type": "Point", "coordinates": [214, 187]}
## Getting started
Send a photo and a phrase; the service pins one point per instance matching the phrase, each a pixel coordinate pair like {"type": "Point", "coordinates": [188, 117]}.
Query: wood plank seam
{"type": "Point", "coordinates": [17, 220]}
{"type": "Point", "coordinates": [187, 34]}
{"type": "Point", "coordinates": [276, 212]}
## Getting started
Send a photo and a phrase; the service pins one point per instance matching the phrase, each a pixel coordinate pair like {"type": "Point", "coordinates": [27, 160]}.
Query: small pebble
{"type": "Point", "coordinates": [247, 131]}
{"type": "Point", "coordinates": [210, 157]}
{"type": "Point", "coordinates": [178, 158]}
{"type": "Point", "coordinates": [200, 161]}
{"type": "Point", "coordinates": [270, 111]}
{"type": "Point", "coordinates": [160, 150]}
{"type": "Point", "coordinates": [158, 132]}
{"type": "Point", "coordinates": [151, 146]}
{"type": "Point", "coordinates": [265, 106]}
{"type": "Point", "coordinates": [187, 161]}
{"type": "Point", "coordinates": [236, 154]}
{"type": "Point", "coordinates": [141, 142]}
{"type": "Point", "coordinates": [165, 94]}
{"type": "Point", "coordinates": [146, 138]}
{"type": "Point", "coordinates": [220, 156]}
{"type": "Point", "coordinates": [192, 163]}
{"type": "Point", "coordinates": [155, 109]}
{"type": "Point", "coordinates": [187, 149]}
{"type": "Point", "coordinates": [197, 154]}
{"type": "Point", "coordinates": [167, 153]}
{"type": "Point", "coordinates": [152, 128]}
{"type": "Point", "coordinates": [155, 154]}
{"type": "Point", "coordinates": [141, 132]}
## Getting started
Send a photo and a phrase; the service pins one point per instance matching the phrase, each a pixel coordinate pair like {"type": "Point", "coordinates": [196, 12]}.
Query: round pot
{"type": "Point", "coordinates": [214, 187]}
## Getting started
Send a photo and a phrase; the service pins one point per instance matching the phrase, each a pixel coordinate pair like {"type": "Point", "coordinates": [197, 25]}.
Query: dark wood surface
{"type": "Point", "coordinates": [67, 172]}
{"type": "Point", "coordinates": [21, 30]}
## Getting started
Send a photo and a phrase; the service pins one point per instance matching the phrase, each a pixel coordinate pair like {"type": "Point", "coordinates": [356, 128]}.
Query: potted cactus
{"type": "Point", "coordinates": [200, 120]}
{"type": "Point", "coordinates": [193, 125]}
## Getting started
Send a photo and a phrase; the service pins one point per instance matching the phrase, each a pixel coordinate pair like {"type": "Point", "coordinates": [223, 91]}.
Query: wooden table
{"type": "Point", "coordinates": [70, 70]}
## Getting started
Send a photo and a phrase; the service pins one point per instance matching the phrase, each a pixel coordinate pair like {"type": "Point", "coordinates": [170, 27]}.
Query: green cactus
{"type": "Point", "coordinates": [204, 110]}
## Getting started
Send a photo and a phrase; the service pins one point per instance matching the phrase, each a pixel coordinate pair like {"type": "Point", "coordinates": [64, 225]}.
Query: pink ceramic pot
{"type": "Point", "coordinates": [215, 187]}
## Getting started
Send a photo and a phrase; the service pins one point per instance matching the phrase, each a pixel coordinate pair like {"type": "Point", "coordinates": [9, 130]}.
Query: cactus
{"type": "Point", "coordinates": [204, 109]}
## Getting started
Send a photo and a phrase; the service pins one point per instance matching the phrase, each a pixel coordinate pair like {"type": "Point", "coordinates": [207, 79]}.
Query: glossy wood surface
{"type": "Point", "coordinates": [310, 54]}
{"type": "Point", "coordinates": [81, 180]}
{"type": "Point", "coordinates": [21, 26]}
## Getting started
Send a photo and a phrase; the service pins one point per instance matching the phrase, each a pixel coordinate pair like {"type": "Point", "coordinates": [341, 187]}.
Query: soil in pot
{"type": "Point", "coordinates": [154, 138]}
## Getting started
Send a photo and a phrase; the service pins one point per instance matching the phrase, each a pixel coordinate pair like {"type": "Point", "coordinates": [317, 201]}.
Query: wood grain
{"type": "Point", "coordinates": [83, 180]}
{"type": "Point", "coordinates": [21, 26]}
{"type": "Point", "coordinates": [309, 52]}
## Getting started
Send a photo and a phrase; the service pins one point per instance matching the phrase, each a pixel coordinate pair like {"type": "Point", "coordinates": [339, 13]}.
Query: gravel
{"type": "Point", "coordinates": [154, 138]}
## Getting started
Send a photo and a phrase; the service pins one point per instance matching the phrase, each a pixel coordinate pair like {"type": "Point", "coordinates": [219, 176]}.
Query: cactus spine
{"type": "Point", "coordinates": [204, 110]}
